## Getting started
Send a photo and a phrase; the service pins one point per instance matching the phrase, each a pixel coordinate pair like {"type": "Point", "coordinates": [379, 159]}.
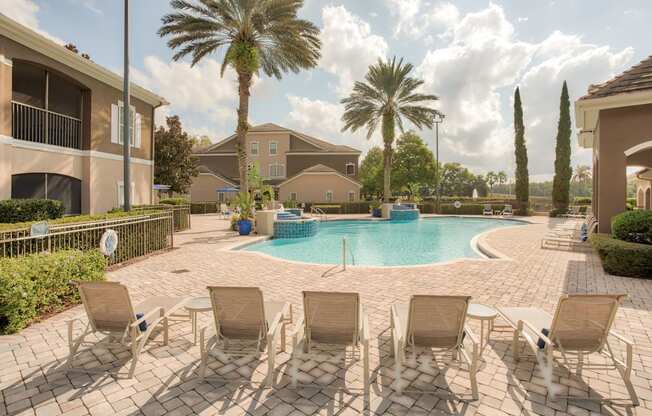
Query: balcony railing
{"type": "Point", "coordinates": [35, 124]}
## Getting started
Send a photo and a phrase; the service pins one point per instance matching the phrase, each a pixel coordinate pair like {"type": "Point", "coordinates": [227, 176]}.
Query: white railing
{"type": "Point", "coordinates": [43, 126]}
{"type": "Point", "coordinates": [319, 212]}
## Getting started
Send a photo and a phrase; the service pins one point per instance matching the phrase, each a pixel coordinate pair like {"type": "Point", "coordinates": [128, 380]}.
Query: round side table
{"type": "Point", "coordinates": [194, 306]}
{"type": "Point", "coordinates": [484, 314]}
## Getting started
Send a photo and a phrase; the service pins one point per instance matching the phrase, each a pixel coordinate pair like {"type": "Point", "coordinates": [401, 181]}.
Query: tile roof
{"type": "Point", "coordinates": [319, 168]}
{"type": "Point", "coordinates": [637, 78]}
{"type": "Point", "coordinates": [322, 145]}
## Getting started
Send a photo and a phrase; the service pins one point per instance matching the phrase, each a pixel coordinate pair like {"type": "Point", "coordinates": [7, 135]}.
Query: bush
{"type": "Point", "coordinates": [204, 207]}
{"type": "Point", "coordinates": [21, 210]}
{"type": "Point", "coordinates": [582, 200]}
{"type": "Point", "coordinates": [111, 215]}
{"type": "Point", "coordinates": [174, 201]}
{"type": "Point", "coordinates": [556, 212]}
{"type": "Point", "coordinates": [623, 258]}
{"type": "Point", "coordinates": [39, 284]}
{"type": "Point", "coordinates": [633, 226]}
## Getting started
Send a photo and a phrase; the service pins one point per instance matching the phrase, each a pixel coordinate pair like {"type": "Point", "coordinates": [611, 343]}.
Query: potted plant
{"type": "Point", "coordinates": [245, 202]}
{"type": "Point", "coordinates": [376, 212]}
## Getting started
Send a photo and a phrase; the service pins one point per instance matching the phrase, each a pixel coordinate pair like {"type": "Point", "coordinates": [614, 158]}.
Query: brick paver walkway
{"type": "Point", "coordinates": [32, 380]}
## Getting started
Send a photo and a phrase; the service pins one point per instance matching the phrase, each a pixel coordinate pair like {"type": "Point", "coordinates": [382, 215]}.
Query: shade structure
{"type": "Point", "coordinates": [227, 189]}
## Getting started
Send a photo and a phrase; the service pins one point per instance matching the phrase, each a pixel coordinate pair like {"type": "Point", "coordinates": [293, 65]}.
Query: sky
{"type": "Point", "coordinates": [471, 54]}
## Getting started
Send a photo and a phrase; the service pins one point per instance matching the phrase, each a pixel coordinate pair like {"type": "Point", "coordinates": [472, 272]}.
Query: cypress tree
{"type": "Point", "coordinates": [520, 151]}
{"type": "Point", "coordinates": [563, 171]}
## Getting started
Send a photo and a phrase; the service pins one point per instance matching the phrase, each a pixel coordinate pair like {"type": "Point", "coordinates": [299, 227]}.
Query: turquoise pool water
{"type": "Point", "coordinates": [385, 243]}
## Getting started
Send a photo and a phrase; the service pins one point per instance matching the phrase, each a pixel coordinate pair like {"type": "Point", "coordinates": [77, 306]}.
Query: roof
{"type": "Point", "coordinates": [204, 170]}
{"type": "Point", "coordinates": [317, 169]}
{"type": "Point", "coordinates": [321, 145]}
{"type": "Point", "coordinates": [41, 44]}
{"type": "Point", "coordinates": [637, 78]}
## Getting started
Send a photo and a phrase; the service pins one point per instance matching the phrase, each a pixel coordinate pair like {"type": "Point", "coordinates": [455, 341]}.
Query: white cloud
{"type": "Point", "coordinates": [348, 46]}
{"type": "Point", "coordinates": [415, 18]}
{"type": "Point", "coordinates": [25, 12]}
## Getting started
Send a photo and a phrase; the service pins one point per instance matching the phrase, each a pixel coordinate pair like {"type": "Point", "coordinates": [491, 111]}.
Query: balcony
{"type": "Point", "coordinates": [35, 124]}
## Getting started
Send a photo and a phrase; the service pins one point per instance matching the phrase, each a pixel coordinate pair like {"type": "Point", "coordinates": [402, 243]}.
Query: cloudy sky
{"type": "Point", "coordinates": [471, 53]}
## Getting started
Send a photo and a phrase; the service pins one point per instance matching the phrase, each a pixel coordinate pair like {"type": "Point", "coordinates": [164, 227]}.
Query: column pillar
{"type": "Point", "coordinates": [612, 185]}
{"type": "Point", "coordinates": [6, 149]}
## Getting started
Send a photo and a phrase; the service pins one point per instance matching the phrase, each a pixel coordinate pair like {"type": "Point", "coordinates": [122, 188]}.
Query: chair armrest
{"type": "Point", "coordinates": [621, 338]}
{"type": "Point", "coordinates": [541, 336]}
{"type": "Point", "coordinates": [156, 311]}
{"type": "Point", "coordinates": [276, 323]}
{"type": "Point", "coordinates": [297, 333]}
{"type": "Point", "coordinates": [398, 331]}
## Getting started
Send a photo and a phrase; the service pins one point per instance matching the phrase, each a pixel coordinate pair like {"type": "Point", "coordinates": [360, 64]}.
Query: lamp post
{"type": "Point", "coordinates": [126, 133]}
{"type": "Point", "coordinates": [438, 118]}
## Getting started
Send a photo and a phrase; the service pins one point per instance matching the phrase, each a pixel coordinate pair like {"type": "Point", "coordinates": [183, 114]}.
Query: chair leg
{"type": "Point", "coordinates": [392, 346]}
{"type": "Point", "coordinates": [271, 354]}
{"type": "Point", "coordinates": [366, 366]}
{"type": "Point", "coordinates": [473, 374]}
{"type": "Point", "coordinates": [166, 327]}
{"type": "Point", "coordinates": [283, 330]}
{"type": "Point", "coordinates": [515, 341]}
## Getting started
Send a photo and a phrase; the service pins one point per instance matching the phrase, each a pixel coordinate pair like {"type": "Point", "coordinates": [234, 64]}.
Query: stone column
{"type": "Point", "coordinates": [612, 180]}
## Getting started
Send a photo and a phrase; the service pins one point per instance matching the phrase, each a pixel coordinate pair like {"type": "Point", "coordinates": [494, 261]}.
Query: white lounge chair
{"type": "Point", "coordinates": [507, 211]}
{"type": "Point", "coordinates": [110, 311]}
{"type": "Point", "coordinates": [571, 240]}
{"type": "Point", "coordinates": [332, 318]}
{"type": "Point", "coordinates": [240, 314]}
{"type": "Point", "coordinates": [437, 323]}
{"type": "Point", "coordinates": [581, 326]}
{"type": "Point", "coordinates": [487, 210]}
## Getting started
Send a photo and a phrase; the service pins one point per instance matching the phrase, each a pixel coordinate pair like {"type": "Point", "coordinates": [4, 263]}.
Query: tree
{"type": "Point", "coordinates": [413, 166]}
{"type": "Point", "coordinates": [491, 178]}
{"type": "Point", "coordinates": [563, 171]}
{"type": "Point", "coordinates": [502, 177]}
{"type": "Point", "coordinates": [459, 181]}
{"type": "Point", "coordinates": [253, 34]}
{"type": "Point", "coordinates": [201, 142]}
{"type": "Point", "coordinates": [174, 164]}
{"type": "Point", "coordinates": [388, 95]}
{"type": "Point", "coordinates": [582, 174]}
{"type": "Point", "coordinates": [371, 172]}
{"type": "Point", "coordinates": [521, 188]}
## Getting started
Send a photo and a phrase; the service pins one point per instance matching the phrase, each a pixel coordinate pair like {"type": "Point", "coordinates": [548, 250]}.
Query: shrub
{"type": "Point", "coordinates": [582, 200]}
{"type": "Point", "coordinates": [633, 226]}
{"type": "Point", "coordinates": [39, 284]}
{"type": "Point", "coordinates": [21, 210]}
{"type": "Point", "coordinates": [204, 207]}
{"type": "Point", "coordinates": [556, 212]}
{"type": "Point", "coordinates": [623, 258]}
{"type": "Point", "coordinates": [173, 201]}
{"type": "Point", "coordinates": [80, 219]}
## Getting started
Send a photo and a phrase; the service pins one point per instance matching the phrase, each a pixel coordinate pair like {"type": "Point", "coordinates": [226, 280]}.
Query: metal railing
{"type": "Point", "coordinates": [344, 251]}
{"type": "Point", "coordinates": [137, 236]}
{"type": "Point", "coordinates": [319, 212]}
{"type": "Point", "coordinates": [38, 125]}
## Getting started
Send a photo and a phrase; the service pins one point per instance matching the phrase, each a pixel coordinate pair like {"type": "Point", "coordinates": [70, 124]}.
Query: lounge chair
{"type": "Point", "coordinates": [225, 211]}
{"type": "Point", "coordinates": [487, 210]}
{"type": "Point", "coordinates": [437, 323]}
{"type": "Point", "coordinates": [507, 211]}
{"type": "Point", "coordinates": [573, 240]}
{"type": "Point", "coordinates": [240, 314]}
{"type": "Point", "coordinates": [580, 326]}
{"type": "Point", "coordinates": [110, 311]}
{"type": "Point", "coordinates": [332, 318]}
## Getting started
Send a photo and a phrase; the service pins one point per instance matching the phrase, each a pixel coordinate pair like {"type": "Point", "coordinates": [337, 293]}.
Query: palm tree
{"type": "Point", "coordinates": [491, 178]}
{"type": "Point", "coordinates": [502, 177]}
{"type": "Point", "coordinates": [582, 174]}
{"type": "Point", "coordinates": [253, 34]}
{"type": "Point", "coordinates": [388, 95]}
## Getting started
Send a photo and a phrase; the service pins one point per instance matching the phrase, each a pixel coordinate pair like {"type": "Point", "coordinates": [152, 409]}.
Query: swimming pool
{"type": "Point", "coordinates": [385, 243]}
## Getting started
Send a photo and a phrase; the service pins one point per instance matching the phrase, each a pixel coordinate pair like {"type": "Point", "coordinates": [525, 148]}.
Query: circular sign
{"type": "Point", "coordinates": [457, 204]}
{"type": "Point", "coordinates": [108, 242]}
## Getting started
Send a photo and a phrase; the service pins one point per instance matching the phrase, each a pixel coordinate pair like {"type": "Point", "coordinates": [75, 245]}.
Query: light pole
{"type": "Point", "coordinates": [438, 118]}
{"type": "Point", "coordinates": [126, 133]}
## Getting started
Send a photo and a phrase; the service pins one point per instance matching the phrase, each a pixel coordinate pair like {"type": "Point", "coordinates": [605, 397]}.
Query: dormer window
{"type": "Point", "coordinates": [350, 169]}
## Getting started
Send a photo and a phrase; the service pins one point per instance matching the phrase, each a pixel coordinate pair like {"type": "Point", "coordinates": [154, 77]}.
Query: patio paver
{"type": "Point", "coordinates": [32, 382]}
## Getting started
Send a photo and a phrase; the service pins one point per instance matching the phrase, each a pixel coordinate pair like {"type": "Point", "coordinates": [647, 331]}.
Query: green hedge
{"type": "Point", "coordinates": [623, 258]}
{"type": "Point", "coordinates": [174, 201]}
{"type": "Point", "coordinates": [39, 284]}
{"type": "Point", "coordinates": [21, 210]}
{"type": "Point", "coordinates": [204, 207]}
{"type": "Point", "coordinates": [582, 200]}
{"type": "Point", "coordinates": [633, 226]}
{"type": "Point", "coordinates": [80, 219]}
{"type": "Point", "coordinates": [468, 209]}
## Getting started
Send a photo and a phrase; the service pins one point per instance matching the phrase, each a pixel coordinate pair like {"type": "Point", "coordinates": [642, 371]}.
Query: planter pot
{"type": "Point", "coordinates": [376, 212]}
{"type": "Point", "coordinates": [244, 227]}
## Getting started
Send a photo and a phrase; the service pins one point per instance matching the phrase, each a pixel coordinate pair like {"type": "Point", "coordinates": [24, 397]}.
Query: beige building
{"type": "Point", "coordinates": [614, 120]}
{"type": "Point", "coordinates": [61, 126]}
{"type": "Point", "coordinates": [287, 159]}
{"type": "Point", "coordinates": [644, 189]}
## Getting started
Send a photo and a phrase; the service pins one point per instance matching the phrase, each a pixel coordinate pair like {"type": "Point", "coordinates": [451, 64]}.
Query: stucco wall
{"type": "Point", "coordinates": [5, 96]}
{"type": "Point", "coordinates": [6, 152]}
{"type": "Point", "coordinates": [101, 98]}
{"type": "Point", "coordinates": [313, 188]}
{"type": "Point", "coordinates": [103, 184]}
{"type": "Point", "coordinates": [204, 187]}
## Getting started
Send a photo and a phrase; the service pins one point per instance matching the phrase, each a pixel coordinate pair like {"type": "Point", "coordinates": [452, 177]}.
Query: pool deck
{"type": "Point", "coordinates": [32, 382]}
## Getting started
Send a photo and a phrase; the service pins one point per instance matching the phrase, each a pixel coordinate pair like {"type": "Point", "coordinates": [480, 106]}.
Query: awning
{"type": "Point", "coordinates": [227, 189]}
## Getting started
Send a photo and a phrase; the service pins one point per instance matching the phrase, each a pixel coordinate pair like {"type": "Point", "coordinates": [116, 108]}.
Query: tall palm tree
{"type": "Point", "coordinates": [582, 174]}
{"type": "Point", "coordinates": [253, 35]}
{"type": "Point", "coordinates": [387, 96]}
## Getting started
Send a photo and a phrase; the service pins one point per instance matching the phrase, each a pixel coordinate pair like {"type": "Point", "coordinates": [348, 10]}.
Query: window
{"type": "Point", "coordinates": [121, 193]}
{"type": "Point", "coordinates": [276, 170]}
{"type": "Point", "coordinates": [254, 148]}
{"type": "Point", "coordinates": [351, 196]}
{"type": "Point", "coordinates": [273, 148]}
{"type": "Point", "coordinates": [293, 196]}
{"type": "Point", "coordinates": [49, 185]}
{"type": "Point", "coordinates": [121, 124]}
{"type": "Point", "coordinates": [329, 196]}
{"type": "Point", "coordinates": [350, 169]}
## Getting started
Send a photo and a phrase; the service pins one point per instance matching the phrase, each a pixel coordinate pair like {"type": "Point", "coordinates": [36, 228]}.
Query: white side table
{"type": "Point", "coordinates": [484, 314]}
{"type": "Point", "coordinates": [194, 306]}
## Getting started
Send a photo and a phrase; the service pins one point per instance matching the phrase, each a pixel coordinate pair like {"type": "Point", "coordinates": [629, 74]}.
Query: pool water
{"type": "Point", "coordinates": [385, 243]}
